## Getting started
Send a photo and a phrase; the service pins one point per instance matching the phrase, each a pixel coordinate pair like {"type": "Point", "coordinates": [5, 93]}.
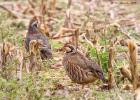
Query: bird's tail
{"type": "Point", "coordinates": [101, 76]}
{"type": "Point", "coordinates": [46, 53]}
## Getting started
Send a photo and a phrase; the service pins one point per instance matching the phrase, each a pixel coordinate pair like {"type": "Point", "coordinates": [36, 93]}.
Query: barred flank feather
{"type": "Point", "coordinates": [80, 69]}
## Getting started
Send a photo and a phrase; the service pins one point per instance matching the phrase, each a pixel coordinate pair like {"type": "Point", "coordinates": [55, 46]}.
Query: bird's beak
{"type": "Point", "coordinates": [62, 49]}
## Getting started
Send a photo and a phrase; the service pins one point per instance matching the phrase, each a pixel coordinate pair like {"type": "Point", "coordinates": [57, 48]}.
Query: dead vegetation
{"type": "Point", "coordinates": [104, 30]}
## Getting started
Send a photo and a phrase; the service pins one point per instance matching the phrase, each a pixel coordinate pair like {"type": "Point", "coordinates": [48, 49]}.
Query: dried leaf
{"type": "Point", "coordinates": [6, 50]}
{"type": "Point", "coordinates": [126, 73]}
{"type": "Point", "coordinates": [20, 57]}
{"type": "Point", "coordinates": [34, 57]}
{"type": "Point", "coordinates": [127, 87]}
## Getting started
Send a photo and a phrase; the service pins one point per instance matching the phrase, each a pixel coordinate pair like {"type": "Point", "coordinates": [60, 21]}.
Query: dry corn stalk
{"type": "Point", "coordinates": [20, 57]}
{"type": "Point", "coordinates": [52, 4]}
{"type": "Point", "coordinates": [34, 53]}
{"type": "Point", "coordinates": [133, 68]}
{"type": "Point", "coordinates": [43, 9]}
{"type": "Point", "coordinates": [44, 29]}
{"type": "Point", "coordinates": [0, 57]}
{"type": "Point", "coordinates": [69, 3]}
{"type": "Point", "coordinates": [76, 38]}
{"type": "Point", "coordinates": [111, 79]}
{"type": "Point", "coordinates": [133, 63]}
{"type": "Point", "coordinates": [126, 73]}
{"type": "Point", "coordinates": [31, 3]}
{"type": "Point", "coordinates": [6, 50]}
{"type": "Point", "coordinates": [62, 31]}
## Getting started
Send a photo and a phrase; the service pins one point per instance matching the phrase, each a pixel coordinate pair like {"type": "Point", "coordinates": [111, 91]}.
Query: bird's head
{"type": "Point", "coordinates": [34, 25]}
{"type": "Point", "coordinates": [68, 48]}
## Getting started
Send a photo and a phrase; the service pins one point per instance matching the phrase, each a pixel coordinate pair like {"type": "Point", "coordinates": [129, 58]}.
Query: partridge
{"type": "Point", "coordinates": [80, 69]}
{"type": "Point", "coordinates": [34, 34]}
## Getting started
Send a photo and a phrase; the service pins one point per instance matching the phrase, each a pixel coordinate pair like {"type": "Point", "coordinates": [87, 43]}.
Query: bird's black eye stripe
{"type": "Point", "coordinates": [35, 24]}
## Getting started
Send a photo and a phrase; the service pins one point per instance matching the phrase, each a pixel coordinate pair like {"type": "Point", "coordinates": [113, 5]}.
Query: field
{"type": "Point", "coordinates": [109, 25]}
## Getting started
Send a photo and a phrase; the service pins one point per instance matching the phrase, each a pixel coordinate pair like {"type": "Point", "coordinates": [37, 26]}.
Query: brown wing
{"type": "Point", "coordinates": [76, 70]}
{"type": "Point", "coordinates": [91, 65]}
{"type": "Point", "coordinates": [84, 63]}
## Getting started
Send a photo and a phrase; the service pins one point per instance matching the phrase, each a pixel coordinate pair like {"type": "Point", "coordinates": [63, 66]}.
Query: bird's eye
{"type": "Point", "coordinates": [35, 25]}
{"type": "Point", "coordinates": [67, 49]}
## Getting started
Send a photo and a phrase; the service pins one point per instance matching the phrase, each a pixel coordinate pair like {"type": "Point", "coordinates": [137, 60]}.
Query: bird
{"type": "Point", "coordinates": [35, 34]}
{"type": "Point", "coordinates": [79, 68]}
